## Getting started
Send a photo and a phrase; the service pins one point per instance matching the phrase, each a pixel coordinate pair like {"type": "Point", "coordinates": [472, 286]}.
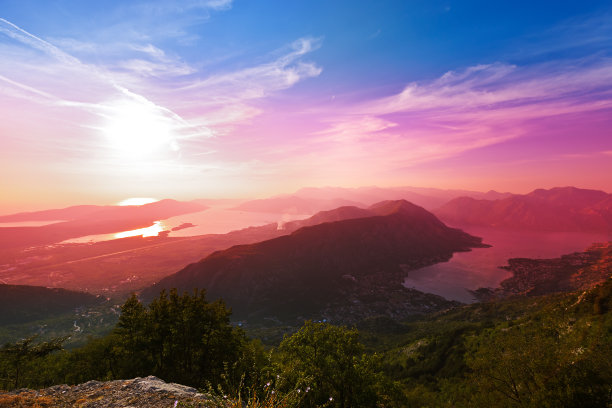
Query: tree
{"type": "Point", "coordinates": [129, 351]}
{"type": "Point", "coordinates": [17, 358]}
{"type": "Point", "coordinates": [330, 360]}
{"type": "Point", "coordinates": [553, 362]}
{"type": "Point", "coordinates": [180, 338]}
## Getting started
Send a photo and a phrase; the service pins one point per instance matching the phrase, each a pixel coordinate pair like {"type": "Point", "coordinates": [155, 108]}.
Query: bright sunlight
{"type": "Point", "coordinates": [139, 128]}
{"type": "Point", "coordinates": [137, 201]}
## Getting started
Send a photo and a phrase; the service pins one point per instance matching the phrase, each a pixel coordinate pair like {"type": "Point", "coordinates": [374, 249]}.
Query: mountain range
{"type": "Point", "coordinates": [312, 199]}
{"type": "Point", "coordinates": [292, 205]}
{"type": "Point", "coordinates": [557, 209]}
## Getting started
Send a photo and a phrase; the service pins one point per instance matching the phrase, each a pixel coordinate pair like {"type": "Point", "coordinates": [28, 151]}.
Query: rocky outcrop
{"type": "Point", "coordinates": [139, 392]}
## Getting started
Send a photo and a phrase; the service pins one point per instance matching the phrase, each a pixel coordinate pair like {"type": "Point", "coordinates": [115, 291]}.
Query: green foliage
{"type": "Point", "coordinates": [330, 362]}
{"type": "Point", "coordinates": [96, 360]}
{"type": "Point", "coordinates": [183, 339]}
{"type": "Point", "coordinates": [526, 352]}
{"type": "Point", "coordinates": [552, 362]}
{"type": "Point", "coordinates": [18, 360]}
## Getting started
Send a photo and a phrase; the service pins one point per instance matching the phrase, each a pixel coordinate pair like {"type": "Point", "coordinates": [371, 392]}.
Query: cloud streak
{"type": "Point", "coordinates": [195, 93]}
{"type": "Point", "coordinates": [161, 87]}
{"type": "Point", "coordinates": [478, 106]}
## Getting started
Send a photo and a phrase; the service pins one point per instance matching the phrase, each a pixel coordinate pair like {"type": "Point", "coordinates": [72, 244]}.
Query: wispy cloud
{"type": "Point", "coordinates": [463, 110]}
{"type": "Point", "coordinates": [259, 81]}
{"type": "Point", "coordinates": [581, 35]}
{"type": "Point", "coordinates": [166, 92]}
{"type": "Point", "coordinates": [17, 33]}
{"type": "Point", "coordinates": [163, 7]}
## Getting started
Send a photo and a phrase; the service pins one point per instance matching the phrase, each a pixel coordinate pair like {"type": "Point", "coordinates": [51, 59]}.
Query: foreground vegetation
{"type": "Point", "coordinates": [524, 352]}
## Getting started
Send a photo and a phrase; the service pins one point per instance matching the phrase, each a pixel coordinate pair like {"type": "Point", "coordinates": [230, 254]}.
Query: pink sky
{"type": "Point", "coordinates": [79, 130]}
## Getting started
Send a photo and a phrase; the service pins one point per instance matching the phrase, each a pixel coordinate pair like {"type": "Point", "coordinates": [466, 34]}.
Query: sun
{"type": "Point", "coordinates": [138, 129]}
{"type": "Point", "coordinates": [137, 201]}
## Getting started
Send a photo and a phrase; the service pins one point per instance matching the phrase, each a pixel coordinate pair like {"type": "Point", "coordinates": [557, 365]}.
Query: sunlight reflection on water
{"type": "Point", "coordinates": [151, 231]}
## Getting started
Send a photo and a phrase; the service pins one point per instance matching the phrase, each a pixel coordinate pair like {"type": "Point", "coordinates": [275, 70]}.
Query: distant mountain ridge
{"type": "Point", "coordinates": [157, 209]}
{"type": "Point", "coordinates": [89, 220]}
{"type": "Point", "coordinates": [557, 209]}
{"type": "Point", "coordinates": [309, 200]}
{"type": "Point", "coordinates": [428, 198]}
{"type": "Point", "coordinates": [293, 205]}
{"type": "Point", "coordinates": [330, 269]}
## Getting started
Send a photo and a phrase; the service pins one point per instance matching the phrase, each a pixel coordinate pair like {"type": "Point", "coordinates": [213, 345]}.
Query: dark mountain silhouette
{"type": "Point", "coordinates": [317, 270]}
{"type": "Point", "coordinates": [20, 304]}
{"type": "Point", "coordinates": [128, 264]}
{"type": "Point", "coordinates": [87, 221]}
{"type": "Point", "coordinates": [557, 209]}
{"type": "Point", "coordinates": [337, 214]}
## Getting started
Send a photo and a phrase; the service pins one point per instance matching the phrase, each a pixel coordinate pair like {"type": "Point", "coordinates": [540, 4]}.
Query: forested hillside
{"type": "Point", "coordinates": [551, 350]}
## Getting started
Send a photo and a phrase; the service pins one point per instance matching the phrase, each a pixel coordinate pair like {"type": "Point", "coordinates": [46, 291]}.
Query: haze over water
{"type": "Point", "coordinates": [217, 220]}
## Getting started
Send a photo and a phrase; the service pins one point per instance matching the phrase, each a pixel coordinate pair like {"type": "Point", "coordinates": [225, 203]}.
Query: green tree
{"type": "Point", "coordinates": [331, 361]}
{"type": "Point", "coordinates": [553, 362]}
{"type": "Point", "coordinates": [18, 360]}
{"type": "Point", "coordinates": [129, 351]}
{"type": "Point", "coordinates": [99, 359]}
{"type": "Point", "coordinates": [180, 338]}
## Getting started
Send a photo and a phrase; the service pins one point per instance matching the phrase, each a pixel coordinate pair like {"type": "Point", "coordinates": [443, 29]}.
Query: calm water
{"type": "Point", "coordinates": [480, 267]}
{"type": "Point", "coordinates": [222, 220]}
{"type": "Point", "coordinates": [218, 220]}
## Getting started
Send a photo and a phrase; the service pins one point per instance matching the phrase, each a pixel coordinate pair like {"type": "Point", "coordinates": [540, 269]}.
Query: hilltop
{"type": "Point", "coordinates": [336, 270]}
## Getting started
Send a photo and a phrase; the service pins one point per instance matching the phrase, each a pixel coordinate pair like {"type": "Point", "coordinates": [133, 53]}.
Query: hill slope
{"type": "Point", "coordinates": [20, 303]}
{"type": "Point", "coordinates": [334, 269]}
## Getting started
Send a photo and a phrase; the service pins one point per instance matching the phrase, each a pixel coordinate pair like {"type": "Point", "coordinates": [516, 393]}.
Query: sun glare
{"type": "Point", "coordinates": [137, 129]}
{"type": "Point", "coordinates": [137, 201]}
{"type": "Point", "coordinates": [151, 231]}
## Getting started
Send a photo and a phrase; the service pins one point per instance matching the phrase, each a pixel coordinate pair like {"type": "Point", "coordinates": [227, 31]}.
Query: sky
{"type": "Point", "coordinates": [107, 100]}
